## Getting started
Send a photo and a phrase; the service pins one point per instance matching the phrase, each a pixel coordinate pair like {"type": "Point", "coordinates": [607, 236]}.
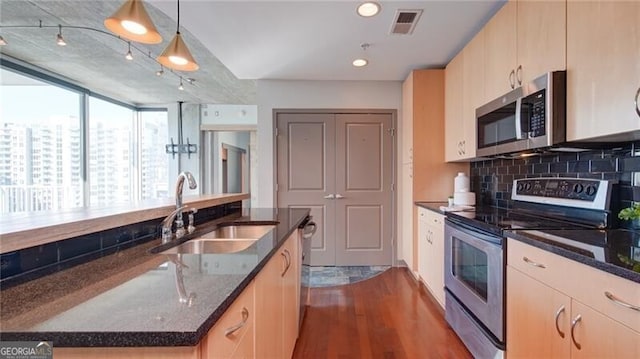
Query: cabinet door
{"type": "Point", "coordinates": [601, 337]}
{"type": "Point", "coordinates": [532, 315]}
{"type": "Point", "coordinates": [240, 316]}
{"type": "Point", "coordinates": [291, 294]}
{"type": "Point", "coordinates": [472, 92]}
{"type": "Point", "coordinates": [500, 52]}
{"type": "Point", "coordinates": [603, 67]}
{"type": "Point", "coordinates": [423, 246]}
{"type": "Point", "coordinates": [269, 297]}
{"type": "Point", "coordinates": [541, 28]}
{"type": "Point", "coordinates": [453, 109]}
{"type": "Point", "coordinates": [406, 122]}
{"type": "Point", "coordinates": [436, 225]}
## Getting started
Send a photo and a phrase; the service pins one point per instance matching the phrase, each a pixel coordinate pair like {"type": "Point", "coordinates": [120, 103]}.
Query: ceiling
{"type": "Point", "coordinates": [238, 42]}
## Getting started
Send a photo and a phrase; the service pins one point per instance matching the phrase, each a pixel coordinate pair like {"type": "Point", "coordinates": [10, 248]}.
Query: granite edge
{"type": "Point", "coordinates": [150, 339]}
{"type": "Point", "coordinates": [606, 267]}
{"type": "Point", "coordinates": [432, 206]}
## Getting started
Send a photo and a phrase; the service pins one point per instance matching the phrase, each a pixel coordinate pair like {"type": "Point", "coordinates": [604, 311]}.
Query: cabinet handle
{"type": "Point", "coordinates": [558, 312]}
{"type": "Point", "coordinates": [574, 323]}
{"type": "Point", "coordinates": [613, 298]}
{"type": "Point", "coordinates": [637, 103]}
{"type": "Point", "coordinates": [329, 196]}
{"type": "Point", "coordinates": [339, 196]}
{"type": "Point", "coordinates": [512, 79]}
{"type": "Point", "coordinates": [235, 328]}
{"type": "Point", "coordinates": [287, 260]}
{"type": "Point", "coordinates": [519, 75]}
{"type": "Point", "coordinates": [529, 261]}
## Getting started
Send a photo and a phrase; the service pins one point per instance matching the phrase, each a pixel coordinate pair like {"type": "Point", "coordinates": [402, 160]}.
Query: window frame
{"type": "Point", "coordinates": [84, 95]}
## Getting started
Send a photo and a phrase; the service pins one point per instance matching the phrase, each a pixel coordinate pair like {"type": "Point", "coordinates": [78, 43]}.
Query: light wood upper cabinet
{"type": "Point", "coordinates": [453, 109]}
{"type": "Point", "coordinates": [500, 52]}
{"type": "Point", "coordinates": [473, 83]}
{"type": "Point", "coordinates": [464, 92]}
{"type": "Point", "coordinates": [524, 40]}
{"type": "Point", "coordinates": [541, 41]}
{"type": "Point", "coordinates": [603, 68]}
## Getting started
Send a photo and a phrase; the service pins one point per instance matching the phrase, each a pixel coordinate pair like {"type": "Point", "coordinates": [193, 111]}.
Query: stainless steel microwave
{"type": "Point", "coordinates": [528, 118]}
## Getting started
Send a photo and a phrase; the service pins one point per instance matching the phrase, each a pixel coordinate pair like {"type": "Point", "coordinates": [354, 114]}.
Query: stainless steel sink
{"type": "Point", "coordinates": [203, 246]}
{"type": "Point", "coordinates": [239, 231]}
{"type": "Point", "coordinates": [227, 239]}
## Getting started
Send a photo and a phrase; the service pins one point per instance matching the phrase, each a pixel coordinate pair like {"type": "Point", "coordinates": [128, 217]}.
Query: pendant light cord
{"type": "Point", "coordinates": [178, 26]}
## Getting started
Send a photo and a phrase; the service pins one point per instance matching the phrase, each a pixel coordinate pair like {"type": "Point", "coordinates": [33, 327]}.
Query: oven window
{"type": "Point", "coordinates": [470, 267]}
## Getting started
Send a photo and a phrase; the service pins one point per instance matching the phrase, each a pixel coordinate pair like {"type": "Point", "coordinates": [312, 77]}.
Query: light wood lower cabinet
{"type": "Point", "coordinates": [232, 336]}
{"type": "Point", "coordinates": [261, 323]}
{"type": "Point", "coordinates": [431, 252]}
{"type": "Point", "coordinates": [547, 316]}
{"type": "Point", "coordinates": [277, 303]}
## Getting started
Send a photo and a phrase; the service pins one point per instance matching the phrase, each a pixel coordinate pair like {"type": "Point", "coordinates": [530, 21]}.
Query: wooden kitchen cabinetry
{"type": "Point", "coordinates": [603, 68]}
{"type": "Point", "coordinates": [232, 336]}
{"type": "Point", "coordinates": [555, 308]}
{"type": "Point", "coordinates": [277, 303]}
{"type": "Point", "coordinates": [464, 92]}
{"type": "Point", "coordinates": [425, 175]}
{"type": "Point", "coordinates": [524, 40]}
{"type": "Point", "coordinates": [431, 252]}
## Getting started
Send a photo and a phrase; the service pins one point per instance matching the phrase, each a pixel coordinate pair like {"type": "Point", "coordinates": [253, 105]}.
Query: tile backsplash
{"type": "Point", "coordinates": [492, 179]}
{"type": "Point", "coordinates": [30, 263]}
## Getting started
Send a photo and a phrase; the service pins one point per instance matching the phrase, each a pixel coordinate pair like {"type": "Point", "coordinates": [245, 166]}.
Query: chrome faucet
{"type": "Point", "coordinates": [177, 213]}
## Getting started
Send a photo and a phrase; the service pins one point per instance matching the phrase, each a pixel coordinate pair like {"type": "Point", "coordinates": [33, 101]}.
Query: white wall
{"type": "Point", "coordinates": [281, 94]}
{"type": "Point", "coordinates": [229, 114]}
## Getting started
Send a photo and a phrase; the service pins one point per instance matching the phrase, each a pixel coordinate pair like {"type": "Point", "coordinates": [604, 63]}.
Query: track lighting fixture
{"type": "Point", "coordinates": [160, 72]}
{"type": "Point", "coordinates": [181, 87]}
{"type": "Point", "coordinates": [176, 55]}
{"type": "Point", "coordinates": [59, 39]}
{"type": "Point", "coordinates": [2, 41]}
{"type": "Point", "coordinates": [132, 22]}
{"type": "Point", "coordinates": [129, 55]}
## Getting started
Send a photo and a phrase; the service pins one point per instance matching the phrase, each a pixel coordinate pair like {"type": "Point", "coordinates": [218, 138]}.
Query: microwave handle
{"type": "Point", "coordinates": [519, 134]}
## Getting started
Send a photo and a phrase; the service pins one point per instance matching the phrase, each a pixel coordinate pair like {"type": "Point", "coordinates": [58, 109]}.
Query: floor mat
{"type": "Point", "coordinates": [331, 276]}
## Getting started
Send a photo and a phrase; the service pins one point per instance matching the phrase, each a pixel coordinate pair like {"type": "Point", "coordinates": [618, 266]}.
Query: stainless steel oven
{"type": "Point", "coordinates": [474, 283]}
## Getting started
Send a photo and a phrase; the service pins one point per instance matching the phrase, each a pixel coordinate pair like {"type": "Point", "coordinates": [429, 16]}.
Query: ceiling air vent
{"type": "Point", "coordinates": [405, 21]}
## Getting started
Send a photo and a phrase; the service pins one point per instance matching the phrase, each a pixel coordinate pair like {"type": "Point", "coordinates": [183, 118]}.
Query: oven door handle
{"type": "Point", "coordinates": [519, 133]}
{"type": "Point", "coordinates": [470, 231]}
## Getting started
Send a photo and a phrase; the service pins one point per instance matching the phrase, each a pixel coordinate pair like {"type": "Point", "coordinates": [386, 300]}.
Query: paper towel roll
{"type": "Point", "coordinates": [464, 198]}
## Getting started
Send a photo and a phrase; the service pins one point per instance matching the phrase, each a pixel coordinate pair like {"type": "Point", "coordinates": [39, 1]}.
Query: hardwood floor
{"type": "Point", "coordinates": [387, 316]}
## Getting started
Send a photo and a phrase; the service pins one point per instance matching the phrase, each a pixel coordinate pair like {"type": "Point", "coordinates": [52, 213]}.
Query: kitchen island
{"type": "Point", "coordinates": [133, 298]}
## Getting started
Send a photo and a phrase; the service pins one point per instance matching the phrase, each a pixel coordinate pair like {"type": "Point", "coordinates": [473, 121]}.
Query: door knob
{"type": "Point", "coordinates": [329, 196]}
{"type": "Point", "coordinates": [339, 196]}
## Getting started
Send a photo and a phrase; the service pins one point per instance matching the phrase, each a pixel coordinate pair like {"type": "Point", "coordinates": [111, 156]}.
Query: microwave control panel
{"type": "Point", "coordinates": [533, 107]}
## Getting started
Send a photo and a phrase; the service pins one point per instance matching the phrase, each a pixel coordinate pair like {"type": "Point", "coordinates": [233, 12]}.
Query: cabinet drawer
{"type": "Point", "coordinates": [219, 345]}
{"type": "Point", "coordinates": [579, 281]}
{"type": "Point", "coordinates": [430, 217]}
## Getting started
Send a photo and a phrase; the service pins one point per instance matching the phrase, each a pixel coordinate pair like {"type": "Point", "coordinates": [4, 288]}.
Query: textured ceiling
{"type": "Point", "coordinates": [96, 60]}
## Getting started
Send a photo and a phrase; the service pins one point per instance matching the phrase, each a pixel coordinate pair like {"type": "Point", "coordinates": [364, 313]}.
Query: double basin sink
{"type": "Point", "coordinates": [226, 239]}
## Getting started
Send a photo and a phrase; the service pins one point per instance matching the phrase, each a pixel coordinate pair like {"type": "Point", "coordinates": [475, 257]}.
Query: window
{"type": "Point", "coordinates": [44, 152]}
{"type": "Point", "coordinates": [39, 143]}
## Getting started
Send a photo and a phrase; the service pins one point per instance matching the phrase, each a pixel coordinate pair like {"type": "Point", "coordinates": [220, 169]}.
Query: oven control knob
{"type": "Point", "coordinates": [578, 188]}
{"type": "Point", "coordinates": [527, 186]}
{"type": "Point", "coordinates": [519, 187]}
{"type": "Point", "coordinates": [591, 190]}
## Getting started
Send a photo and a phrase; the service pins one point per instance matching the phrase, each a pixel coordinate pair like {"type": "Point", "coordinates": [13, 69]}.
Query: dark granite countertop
{"type": "Point", "coordinates": [130, 298]}
{"type": "Point", "coordinates": [616, 251]}
{"type": "Point", "coordinates": [432, 206]}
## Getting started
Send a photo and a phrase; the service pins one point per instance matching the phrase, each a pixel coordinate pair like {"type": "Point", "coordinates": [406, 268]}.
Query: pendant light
{"type": "Point", "coordinates": [132, 22]}
{"type": "Point", "coordinates": [176, 55]}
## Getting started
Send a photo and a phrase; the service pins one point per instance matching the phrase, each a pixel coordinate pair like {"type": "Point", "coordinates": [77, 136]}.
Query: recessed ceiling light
{"type": "Point", "coordinates": [368, 9]}
{"type": "Point", "coordinates": [360, 62]}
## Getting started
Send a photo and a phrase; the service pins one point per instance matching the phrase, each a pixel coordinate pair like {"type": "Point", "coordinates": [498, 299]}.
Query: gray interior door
{"type": "Point", "coordinates": [340, 166]}
{"type": "Point", "coordinates": [364, 176]}
{"type": "Point", "coordinates": [305, 158]}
